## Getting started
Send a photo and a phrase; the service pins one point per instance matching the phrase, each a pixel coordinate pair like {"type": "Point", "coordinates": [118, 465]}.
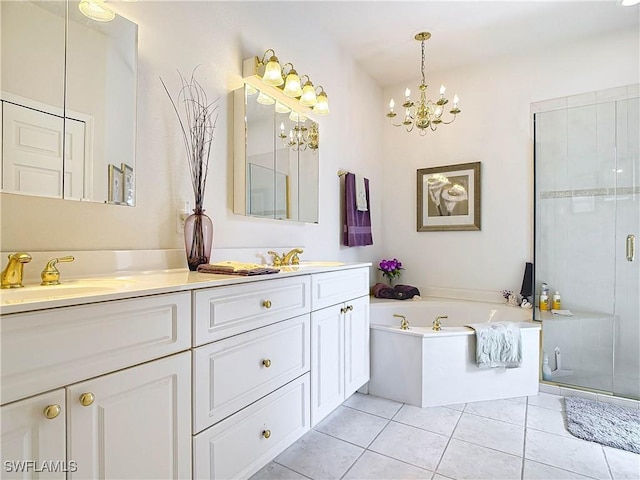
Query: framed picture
{"type": "Point", "coordinates": [128, 185]}
{"type": "Point", "coordinates": [115, 184]}
{"type": "Point", "coordinates": [449, 198]}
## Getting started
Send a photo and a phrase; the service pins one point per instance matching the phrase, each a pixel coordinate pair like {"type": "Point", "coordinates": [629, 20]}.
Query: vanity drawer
{"type": "Point", "coordinates": [332, 288]}
{"type": "Point", "coordinates": [225, 311]}
{"type": "Point", "coordinates": [232, 373]}
{"type": "Point", "coordinates": [44, 350]}
{"type": "Point", "coordinates": [238, 446]}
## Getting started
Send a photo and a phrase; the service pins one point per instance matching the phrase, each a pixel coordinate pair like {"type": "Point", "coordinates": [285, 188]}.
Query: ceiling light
{"type": "Point", "coordinates": [426, 113]}
{"type": "Point", "coordinates": [96, 10]}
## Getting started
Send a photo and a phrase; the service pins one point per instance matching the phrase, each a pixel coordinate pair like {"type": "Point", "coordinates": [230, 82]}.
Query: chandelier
{"type": "Point", "coordinates": [300, 137]}
{"type": "Point", "coordinates": [426, 113]}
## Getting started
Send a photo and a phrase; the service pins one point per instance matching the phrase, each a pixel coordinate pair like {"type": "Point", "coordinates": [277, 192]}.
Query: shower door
{"type": "Point", "coordinates": [587, 196]}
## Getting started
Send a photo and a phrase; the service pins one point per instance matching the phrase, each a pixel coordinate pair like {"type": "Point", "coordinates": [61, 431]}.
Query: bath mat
{"type": "Point", "coordinates": [604, 423]}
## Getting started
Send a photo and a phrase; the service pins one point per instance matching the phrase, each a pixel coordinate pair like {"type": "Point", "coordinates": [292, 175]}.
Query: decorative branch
{"type": "Point", "coordinates": [197, 118]}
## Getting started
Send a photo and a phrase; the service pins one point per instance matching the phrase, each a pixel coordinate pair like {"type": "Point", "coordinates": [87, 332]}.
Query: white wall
{"type": "Point", "coordinates": [495, 129]}
{"type": "Point", "coordinates": [217, 36]}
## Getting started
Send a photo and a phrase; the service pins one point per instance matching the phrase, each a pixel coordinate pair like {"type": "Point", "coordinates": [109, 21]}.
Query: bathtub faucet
{"type": "Point", "coordinates": [437, 326]}
{"type": "Point", "coordinates": [404, 324]}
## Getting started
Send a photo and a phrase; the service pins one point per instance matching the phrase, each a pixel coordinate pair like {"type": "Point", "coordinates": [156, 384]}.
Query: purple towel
{"type": "Point", "coordinates": [380, 290]}
{"type": "Point", "coordinates": [357, 225]}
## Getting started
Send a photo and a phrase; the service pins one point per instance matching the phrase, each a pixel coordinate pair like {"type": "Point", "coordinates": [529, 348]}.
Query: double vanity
{"type": "Point", "coordinates": [177, 374]}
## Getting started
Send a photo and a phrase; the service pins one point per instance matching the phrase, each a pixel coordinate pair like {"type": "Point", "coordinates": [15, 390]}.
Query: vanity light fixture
{"type": "Point", "coordinates": [426, 114]}
{"type": "Point", "coordinates": [282, 108]}
{"type": "Point", "coordinates": [96, 10]}
{"type": "Point", "coordinates": [264, 99]}
{"type": "Point", "coordinates": [287, 81]}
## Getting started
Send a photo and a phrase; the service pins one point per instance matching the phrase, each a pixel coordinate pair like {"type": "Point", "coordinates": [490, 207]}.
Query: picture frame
{"type": "Point", "coordinates": [115, 184]}
{"type": "Point", "coordinates": [128, 185]}
{"type": "Point", "coordinates": [448, 198]}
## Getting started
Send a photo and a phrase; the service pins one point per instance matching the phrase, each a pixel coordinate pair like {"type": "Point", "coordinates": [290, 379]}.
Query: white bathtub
{"type": "Point", "coordinates": [425, 368]}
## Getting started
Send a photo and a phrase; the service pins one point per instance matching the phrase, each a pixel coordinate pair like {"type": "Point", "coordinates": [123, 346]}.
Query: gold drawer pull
{"type": "Point", "coordinates": [343, 310]}
{"type": "Point", "coordinates": [52, 411]}
{"type": "Point", "coordinates": [266, 362]}
{"type": "Point", "coordinates": [266, 304]}
{"type": "Point", "coordinates": [87, 399]}
{"type": "Point", "coordinates": [266, 433]}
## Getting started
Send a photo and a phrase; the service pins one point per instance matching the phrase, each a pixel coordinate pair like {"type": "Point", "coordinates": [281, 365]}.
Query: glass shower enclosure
{"type": "Point", "coordinates": [587, 224]}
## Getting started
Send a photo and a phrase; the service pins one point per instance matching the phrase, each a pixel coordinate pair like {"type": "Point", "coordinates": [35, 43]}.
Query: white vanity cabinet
{"type": "Point", "coordinates": [339, 338]}
{"type": "Point", "coordinates": [33, 437]}
{"type": "Point", "coordinates": [117, 374]}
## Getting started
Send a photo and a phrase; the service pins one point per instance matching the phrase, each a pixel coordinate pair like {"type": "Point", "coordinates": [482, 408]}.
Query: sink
{"type": "Point", "coordinates": [69, 289]}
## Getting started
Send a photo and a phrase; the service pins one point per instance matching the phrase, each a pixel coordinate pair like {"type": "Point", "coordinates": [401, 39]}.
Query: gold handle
{"type": "Point", "coordinates": [266, 362]}
{"type": "Point", "coordinates": [87, 399]}
{"type": "Point", "coordinates": [349, 307]}
{"type": "Point", "coordinates": [52, 411]}
{"type": "Point", "coordinates": [343, 310]}
{"type": "Point", "coordinates": [266, 433]}
{"type": "Point", "coordinates": [631, 248]}
{"type": "Point", "coordinates": [266, 304]}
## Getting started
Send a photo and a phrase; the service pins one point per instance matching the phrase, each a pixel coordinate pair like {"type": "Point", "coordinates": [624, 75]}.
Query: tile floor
{"type": "Point", "coordinates": [521, 438]}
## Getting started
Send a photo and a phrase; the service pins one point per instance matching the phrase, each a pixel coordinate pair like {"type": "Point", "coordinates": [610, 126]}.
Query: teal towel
{"type": "Point", "coordinates": [498, 344]}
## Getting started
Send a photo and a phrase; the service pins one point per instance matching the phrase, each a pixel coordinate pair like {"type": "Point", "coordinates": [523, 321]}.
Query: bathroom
{"type": "Point", "coordinates": [495, 128]}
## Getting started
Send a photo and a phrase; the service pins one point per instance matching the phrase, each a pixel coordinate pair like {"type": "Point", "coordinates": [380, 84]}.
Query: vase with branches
{"type": "Point", "coordinates": [197, 118]}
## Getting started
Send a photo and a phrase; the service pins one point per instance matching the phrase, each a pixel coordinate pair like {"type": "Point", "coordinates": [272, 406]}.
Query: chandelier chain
{"type": "Point", "coordinates": [422, 68]}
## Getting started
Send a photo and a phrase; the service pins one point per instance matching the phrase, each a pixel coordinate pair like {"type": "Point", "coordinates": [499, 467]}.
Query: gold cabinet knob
{"type": "Point", "coordinates": [349, 307]}
{"type": "Point", "coordinates": [266, 304]}
{"type": "Point", "coordinates": [343, 310]}
{"type": "Point", "coordinates": [266, 433]}
{"type": "Point", "coordinates": [87, 399]}
{"type": "Point", "coordinates": [52, 411]}
{"type": "Point", "coordinates": [266, 362]}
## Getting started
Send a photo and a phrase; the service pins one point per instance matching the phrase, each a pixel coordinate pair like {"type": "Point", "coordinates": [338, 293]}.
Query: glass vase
{"type": "Point", "coordinates": [198, 238]}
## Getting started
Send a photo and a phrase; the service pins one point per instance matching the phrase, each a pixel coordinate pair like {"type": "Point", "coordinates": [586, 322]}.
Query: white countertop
{"type": "Point", "coordinates": [99, 289]}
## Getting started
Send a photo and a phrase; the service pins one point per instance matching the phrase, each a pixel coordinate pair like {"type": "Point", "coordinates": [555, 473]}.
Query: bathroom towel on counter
{"type": "Point", "coordinates": [236, 268]}
{"type": "Point", "coordinates": [357, 225]}
{"type": "Point", "coordinates": [498, 344]}
{"type": "Point", "coordinates": [361, 194]}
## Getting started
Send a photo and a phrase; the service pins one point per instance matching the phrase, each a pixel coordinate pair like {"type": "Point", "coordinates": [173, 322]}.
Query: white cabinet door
{"type": "Point", "coordinates": [138, 424]}
{"type": "Point", "coordinates": [32, 444]}
{"type": "Point", "coordinates": [327, 361]}
{"type": "Point", "coordinates": [356, 345]}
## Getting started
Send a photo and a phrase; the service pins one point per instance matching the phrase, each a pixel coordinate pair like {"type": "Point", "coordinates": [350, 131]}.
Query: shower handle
{"type": "Point", "coordinates": [631, 247]}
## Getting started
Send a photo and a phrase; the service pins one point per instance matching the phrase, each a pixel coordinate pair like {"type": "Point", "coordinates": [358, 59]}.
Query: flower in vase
{"type": "Point", "coordinates": [390, 268]}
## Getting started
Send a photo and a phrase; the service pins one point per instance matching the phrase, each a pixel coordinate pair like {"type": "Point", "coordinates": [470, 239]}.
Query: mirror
{"type": "Point", "coordinates": [276, 160]}
{"type": "Point", "coordinates": [68, 114]}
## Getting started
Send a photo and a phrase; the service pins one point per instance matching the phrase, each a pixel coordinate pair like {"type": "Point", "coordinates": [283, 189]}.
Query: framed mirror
{"type": "Point", "coordinates": [276, 160]}
{"type": "Point", "coordinates": [68, 94]}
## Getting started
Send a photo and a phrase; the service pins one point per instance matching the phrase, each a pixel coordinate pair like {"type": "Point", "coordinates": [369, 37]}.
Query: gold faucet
{"type": "Point", "coordinates": [51, 275]}
{"type": "Point", "coordinates": [12, 274]}
{"type": "Point", "coordinates": [437, 326]}
{"type": "Point", "coordinates": [277, 260]}
{"type": "Point", "coordinates": [291, 258]}
{"type": "Point", "coordinates": [404, 324]}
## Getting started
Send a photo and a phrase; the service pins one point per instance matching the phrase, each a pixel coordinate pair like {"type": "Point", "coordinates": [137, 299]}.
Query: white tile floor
{"type": "Point", "coordinates": [522, 438]}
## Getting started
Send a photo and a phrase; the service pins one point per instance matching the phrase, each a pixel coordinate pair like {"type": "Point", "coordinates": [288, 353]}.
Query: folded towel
{"type": "Point", "coordinates": [399, 292]}
{"type": "Point", "coordinates": [498, 344]}
{"type": "Point", "coordinates": [405, 292]}
{"type": "Point", "coordinates": [564, 313]}
{"type": "Point", "coordinates": [236, 268]}
{"type": "Point", "coordinates": [361, 194]}
{"type": "Point", "coordinates": [380, 290]}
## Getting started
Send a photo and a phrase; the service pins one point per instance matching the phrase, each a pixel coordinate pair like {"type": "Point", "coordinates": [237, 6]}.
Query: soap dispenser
{"type": "Point", "coordinates": [556, 303]}
{"type": "Point", "coordinates": [544, 298]}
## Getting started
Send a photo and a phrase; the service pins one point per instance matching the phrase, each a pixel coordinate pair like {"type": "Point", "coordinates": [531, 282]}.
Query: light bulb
{"type": "Point", "coordinates": [455, 100]}
{"type": "Point", "coordinates": [322, 107]}
{"type": "Point", "coordinates": [308, 97]}
{"type": "Point", "coordinates": [292, 86]}
{"type": "Point", "coordinates": [391, 105]}
{"type": "Point", "coordinates": [407, 93]}
{"type": "Point", "coordinates": [442, 89]}
{"type": "Point", "coordinates": [272, 73]}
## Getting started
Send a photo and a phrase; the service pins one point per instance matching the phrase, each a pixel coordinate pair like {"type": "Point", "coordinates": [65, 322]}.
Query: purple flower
{"type": "Point", "coordinates": [390, 268]}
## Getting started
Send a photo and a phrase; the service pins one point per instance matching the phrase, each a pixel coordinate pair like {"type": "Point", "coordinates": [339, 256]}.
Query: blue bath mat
{"type": "Point", "coordinates": [604, 423]}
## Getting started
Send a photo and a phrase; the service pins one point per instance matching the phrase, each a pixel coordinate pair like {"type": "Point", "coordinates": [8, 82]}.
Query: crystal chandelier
{"type": "Point", "coordinates": [426, 113]}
